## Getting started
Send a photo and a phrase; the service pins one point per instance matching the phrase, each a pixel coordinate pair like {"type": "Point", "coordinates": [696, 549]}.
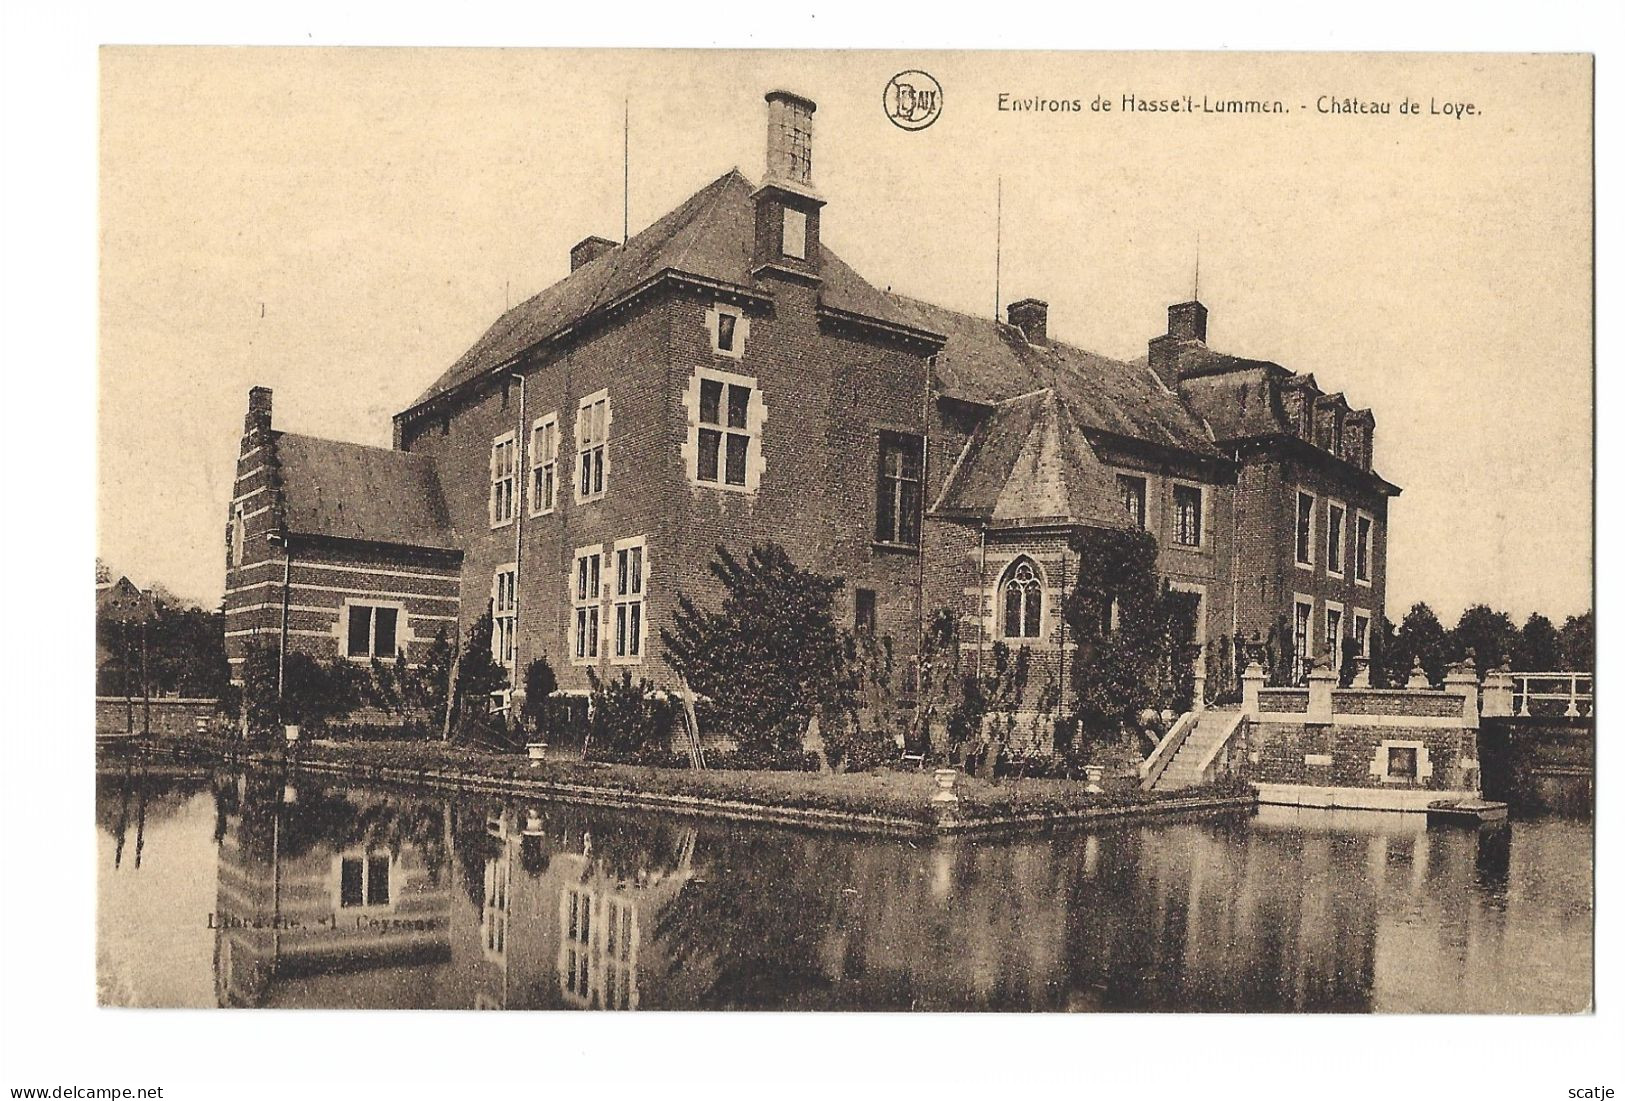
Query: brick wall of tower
{"type": "Point", "coordinates": [256, 552]}
{"type": "Point", "coordinates": [1269, 576]}
{"type": "Point", "coordinates": [826, 397]}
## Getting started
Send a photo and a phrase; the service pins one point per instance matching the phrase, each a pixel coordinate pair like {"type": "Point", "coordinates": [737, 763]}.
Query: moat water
{"type": "Point", "coordinates": [238, 889]}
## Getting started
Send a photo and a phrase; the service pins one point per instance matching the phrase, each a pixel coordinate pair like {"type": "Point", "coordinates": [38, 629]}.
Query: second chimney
{"type": "Point", "coordinates": [589, 250]}
{"type": "Point", "coordinates": [1183, 345]}
{"type": "Point", "coordinates": [1031, 316]}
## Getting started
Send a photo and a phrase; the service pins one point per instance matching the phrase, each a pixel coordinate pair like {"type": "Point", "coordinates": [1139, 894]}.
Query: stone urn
{"type": "Point", "coordinates": [1092, 775]}
{"type": "Point", "coordinates": [533, 823]}
{"type": "Point", "coordinates": [946, 780]}
{"type": "Point", "coordinates": [537, 751]}
{"type": "Point", "coordinates": [291, 732]}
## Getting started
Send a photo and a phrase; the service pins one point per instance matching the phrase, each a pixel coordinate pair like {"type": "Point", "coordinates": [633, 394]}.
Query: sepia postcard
{"type": "Point", "coordinates": [850, 530]}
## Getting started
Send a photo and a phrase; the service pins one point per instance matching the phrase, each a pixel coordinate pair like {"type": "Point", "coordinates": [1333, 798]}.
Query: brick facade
{"type": "Point", "coordinates": [1021, 443]}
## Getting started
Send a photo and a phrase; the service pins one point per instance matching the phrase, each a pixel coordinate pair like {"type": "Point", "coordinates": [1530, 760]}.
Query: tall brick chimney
{"type": "Point", "coordinates": [259, 410]}
{"type": "Point", "coordinates": [787, 204]}
{"type": "Point", "coordinates": [588, 250]}
{"type": "Point", "coordinates": [1031, 316]}
{"type": "Point", "coordinates": [1182, 345]}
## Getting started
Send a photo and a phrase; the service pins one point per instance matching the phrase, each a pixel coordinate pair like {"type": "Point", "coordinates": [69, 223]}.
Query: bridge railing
{"type": "Point", "coordinates": [1573, 691]}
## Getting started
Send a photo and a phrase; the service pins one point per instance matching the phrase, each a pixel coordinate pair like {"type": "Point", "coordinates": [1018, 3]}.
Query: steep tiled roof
{"type": "Point", "coordinates": [710, 235]}
{"type": "Point", "coordinates": [985, 360]}
{"type": "Point", "coordinates": [1031, 462]}
{"type": "Point", "coordinates": [124, 601]}
{"type": "Point", "coordinates": [348, 491]}
{"type": "Point", "coordinates": [1237, 404]}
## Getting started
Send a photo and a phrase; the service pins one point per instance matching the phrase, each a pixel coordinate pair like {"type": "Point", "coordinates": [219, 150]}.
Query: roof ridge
{"type": "Point", "coordinates": [702, 220]}
{"type": "Point", "coordinates": [1001, 326]}
{"type": "Point", "coordinates": [413, 455]}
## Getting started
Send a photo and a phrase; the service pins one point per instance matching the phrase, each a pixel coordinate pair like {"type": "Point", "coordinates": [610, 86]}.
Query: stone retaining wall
{"type": "Point", "coordinates": [168, 717]}
{"type": "Point", "coordinates": [1362, 747]}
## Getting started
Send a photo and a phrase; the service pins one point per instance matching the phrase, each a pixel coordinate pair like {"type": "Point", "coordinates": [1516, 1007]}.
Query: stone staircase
{"type": "Point", "coordinates": [1191, 751]}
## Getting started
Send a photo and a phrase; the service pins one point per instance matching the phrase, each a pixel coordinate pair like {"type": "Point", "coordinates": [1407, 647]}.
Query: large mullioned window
{"type": "Point", "coordinates": [504, 614]}
{"type": "Point", "coordinates": [1188, 516]}
{"type": "Point", "coordinates": [371, 631]}
{"type": "Point", "coordinates": [592, 447]}
{"type": "Point", "coordinates": [1131, 490]}
{"type": "Point", "coordinates": [1021, 599]}
{"type": "Point", "coordinates": [724, 436]}
{"type": "Point", "coordinates": [628, 596]}
{"type": "Point", "coordinates": [897, 493]}
{"type": "Point", "coordinates": [504, 475]}
{"type": "Point", "coordinates": [544, 465]}
{"type": "Point", "coordinates": [586, 596]}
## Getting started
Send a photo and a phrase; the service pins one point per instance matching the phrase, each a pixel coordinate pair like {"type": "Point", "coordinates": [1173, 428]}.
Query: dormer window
{"type": "Point", "coordinates": [795, 233]}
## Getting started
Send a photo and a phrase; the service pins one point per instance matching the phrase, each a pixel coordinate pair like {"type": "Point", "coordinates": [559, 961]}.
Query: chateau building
{"type": "Point", "coordinates": [723, 378]}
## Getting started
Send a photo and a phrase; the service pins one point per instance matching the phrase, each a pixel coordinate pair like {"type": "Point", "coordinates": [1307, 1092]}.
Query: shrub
{"type": "Point", "coordinates": [771, 656]}
{"type": "Point", "coordinates": [541, 709]}
{"type": "Point", "coordinates": [628, 717]}
{"type": "Point", "coordinates": [478, 674]}
{"type": "Point", "coordinates": [313, 691]}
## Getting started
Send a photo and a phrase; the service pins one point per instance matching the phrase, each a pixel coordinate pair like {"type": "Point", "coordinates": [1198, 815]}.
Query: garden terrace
{"type": "Point", "coordinates": [882, 801]}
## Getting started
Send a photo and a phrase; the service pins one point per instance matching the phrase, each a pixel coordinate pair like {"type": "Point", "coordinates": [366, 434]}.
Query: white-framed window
{"type": "Point", "coordinates": [1365, 527]}
{"type": "Point", "coordinates": [363, 879]}
{"type": "Point", "coordinates": [1401, 761]}
{"type": "Point", "coordinates": [586, 599]}
{"type": "Point", "coordinates": [1021, 600]}
{"type": "Point", "coordinates": [504, 475]}
{"type": "Point", "coordinates": [1303, 619]}
{"type": "Point", "coordinates": [729, 329]}
{"type": "Point", "coordinates": [372, 630]}
{"type": "Point", "coordinates": [628, 584]}
{"type": "Point", "coordinates": [1334, 636]}
{"type": "Point", "coordinates": [1304, 553]}
{"type": "Point", "coordinates": [1362, 632]}
{"type": "Point", "coordinates": [504, 613]}
{"type": "Point", "coordinates": [544, 465]}
{"type": "Point", "coordinates": [1187, 515]}
{"type": "Point", "coordinates": [592, 447]}
{"type": "Point", "coordinates": [237, 537]}
{"type": "Point", "coordinates": [795, 233]}
{"type": "Point", "coordinates": [1131, 490]}
{"type": "Point", "coordinates": [725, 416]}
{"type": "Point", "coordinates": [1336, 536]}
{"type": "Point", "coordinates": [897, 489]}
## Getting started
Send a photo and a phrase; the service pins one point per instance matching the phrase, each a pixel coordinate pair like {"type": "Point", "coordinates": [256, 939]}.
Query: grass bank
{"type": "Point", "coordinates": [884, 800]}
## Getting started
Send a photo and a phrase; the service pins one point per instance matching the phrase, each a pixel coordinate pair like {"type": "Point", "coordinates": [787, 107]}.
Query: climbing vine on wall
{"type": "Point", "coordinates": [1134, 634]}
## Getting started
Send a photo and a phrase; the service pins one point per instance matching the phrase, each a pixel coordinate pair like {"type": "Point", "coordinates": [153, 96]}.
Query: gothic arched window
{"type": "Point", "coordinates": [1023, 600]}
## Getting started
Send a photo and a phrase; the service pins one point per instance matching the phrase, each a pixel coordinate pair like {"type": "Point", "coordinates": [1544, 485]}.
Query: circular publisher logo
{"type": "Point", "coordinates": [913, 99]}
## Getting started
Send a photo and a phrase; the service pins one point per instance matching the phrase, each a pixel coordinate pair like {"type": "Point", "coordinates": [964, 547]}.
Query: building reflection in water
{"type": "Point", "coordinates": [329, 896]}
{"type": "Point", "coordinates": [326, 898]}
